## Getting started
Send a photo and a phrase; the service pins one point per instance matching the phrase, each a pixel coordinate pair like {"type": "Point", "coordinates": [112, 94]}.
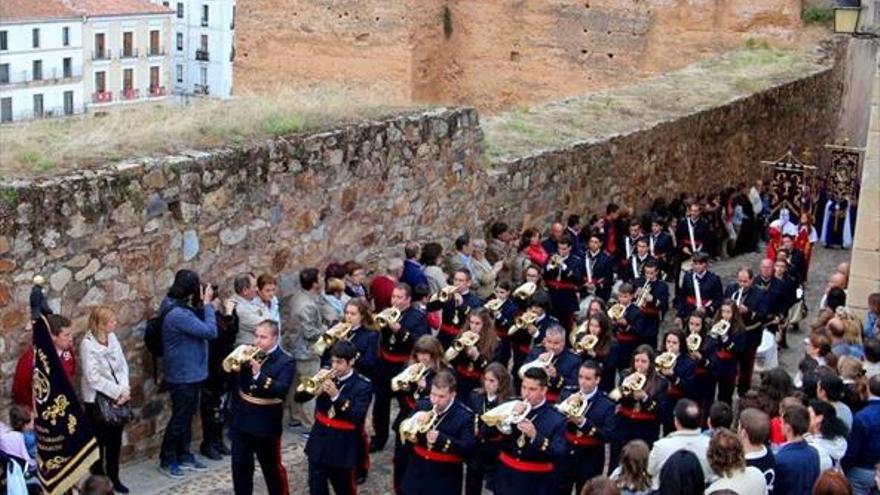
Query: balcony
{"type": "Point", "coordinates": [202, 55]}
{"type": "Point", "coordinates": [157, 91]}
{"type": "Point", "coordinates": [156, 51]}
{"type": "Point", "coordinates": [130, 94]}
{"type": "Point", "coordinates": [200, 89]}
{"type": "Point", "coordinates": [102, 97]}
{"type": "Point", "coordinates": [130, 53]}
{"type": "Point", "coordinates": [54, 75]}
{"type": "Point", "coordinates": [101, 55]}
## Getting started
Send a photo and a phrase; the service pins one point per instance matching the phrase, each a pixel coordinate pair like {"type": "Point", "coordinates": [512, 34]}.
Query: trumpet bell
{"type": "Point", "coordinates": [578, 333]}
{"type": "Point", "coordinates": [634, 381]}
{"type": "Point", "coordinates": [616, 311]}
{"type": "Point", "coordinates": [720, 329]}
{"type": "Point", "coordinates": [665, 361]}
{"type": "Point", "coordinates": [388, 317]}
{"type": "Point", "coordinates": [494, 305]}
{"type": "Point", "coordinates": [694, 341]}
{"type": "Point", "coordinates": [242, 354]}
{"type": "Point", "coordinates": [522, 321]}
{"type": "Point", "coordinates": [504, 416]}
{"type": "Point", "coordinates": [411, 374]}
{"type": "Point", "coordinates": [411, 427]}
{"type": "Point", "coordinates": [587, 343]}
{"type": "Point", "coordinates": [573, 407]}
{"type": "Point", "coordinates": [311, 385]}
{"type": "Point", "coordinates": [525, 291]}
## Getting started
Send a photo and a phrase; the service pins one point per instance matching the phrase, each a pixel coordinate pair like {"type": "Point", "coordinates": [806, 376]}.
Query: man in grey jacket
{"type": "Point", "coordinates": [303, 312]}
{"type": "Point", "coordinates": [249, 313]}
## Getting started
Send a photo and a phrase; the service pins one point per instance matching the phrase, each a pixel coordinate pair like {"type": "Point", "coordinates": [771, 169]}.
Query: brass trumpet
{"type": "Point", "coordinates": [523, 321]}
{"type": "Point", "coordinates": [579, 331]}
{"type": "Point", "coordinates": [643, 295]}
{"type": "Point", "coordinates": [312, 385]}
{"type": "Point", "coordinates": [634, 381]}
{"type": "Point", "coordinates": [445, 294]}
{"type": "Point", "coordinates": [616, 311]}
{"type": "Point", "coordinates": [719, 329]}
{"type": "Point", "coordinates": [694, 341]}
{"type": "Point", "coordinates": [410, 375]}
{"type": "Point", "coordinates": [494, 305]}
{"type": "Point", "coordinates": [241, 355]}
{"type": "Point", "coordinates": [543, 361]}
{"type": "Point", "coordinates": [410, 427]}
{"type": "Point", "coordinates": [587, 343]}
{"type": "Point", "coordinates": [387, 317]}
{"type": "Point", "coordinates": [463, 341]}
{"type": "Point", "coordinates": [665, 361]}
{"type": "Point", "coordinates": [574, 407]}
{"type": "Point", "coordinates": [504, 416]}
{"type": "Point", "coordinates": [525, 291]}
{"type": "Point", "coordinates": [555, 262]}
{"type": "Point", "coordinates": [336, 333]}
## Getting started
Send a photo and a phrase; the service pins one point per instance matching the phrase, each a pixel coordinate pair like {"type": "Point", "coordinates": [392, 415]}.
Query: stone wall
{"type": "Point", "coordinates": [498, 53]}
{"type": "Point", "coordinates": [118, 235]}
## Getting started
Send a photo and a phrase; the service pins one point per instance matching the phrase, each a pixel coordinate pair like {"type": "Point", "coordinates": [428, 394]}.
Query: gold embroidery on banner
{"type": "Point", "coordinates": [41, 386]}
{"type": "Point", "coordinates": [71, 424]}
{"type": "Point", "coordinates": [55, 462]}
{"type": "Point", "coordinates": [57, 409]}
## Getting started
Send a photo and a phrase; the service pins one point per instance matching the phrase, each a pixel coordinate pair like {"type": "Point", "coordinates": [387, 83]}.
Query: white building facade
{"type": "Point", "coordinates": [41, 60]}
{"type": "Point", "coordinates": [203, 46]}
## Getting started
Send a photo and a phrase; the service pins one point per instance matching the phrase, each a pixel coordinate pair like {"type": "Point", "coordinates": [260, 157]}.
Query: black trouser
{"type": "Point", "coordinates": [109, 442]}
{"type": "Point", "coordinates": [341, 479]}
{"type": "Point", "coordinates": [576, 471]}
{"type": "Point", "coordinates": [268, 452]}
{"type": "Point", "coordinates": [178, 433]}
{"type": "Point", "coordinates": [381, 411]}
{"type": "Point", "coordinates": [726, 386]}
{"type": "Point", "coordinates": [212, 410]}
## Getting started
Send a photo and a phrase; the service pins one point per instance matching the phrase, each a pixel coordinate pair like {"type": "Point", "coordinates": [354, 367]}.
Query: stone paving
{"type": "Point", "coordinates": [144, 478]}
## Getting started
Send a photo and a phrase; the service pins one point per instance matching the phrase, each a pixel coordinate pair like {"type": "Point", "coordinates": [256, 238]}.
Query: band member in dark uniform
{"type": "Point", "coordinates": [428, 352]}
{"type": "Point", "coordinates": [531, 452]}
{"type": "Point", "coordinates": [560, 363]}
{"type": "Point", "coordinates": [699, 288]}
{"type": "Point", "coordinates": [748, 301]}
{"type": "Point", "coordinates": [562, 277]}
{"type": "Point", "coordinates": [612, 232]}
{"type": "Point", "coordinates": [456, 308]}
{"type": "Point", "coordinates": [638, 417]}
{"type": "Point", "coordinates": [604, 350]}
{"type": "Point", "coordinates": [470, 361]}
{"type": "Point", "coordinates": [660, 245]}
{"type": "Point", "coordinates": [653, 305]}
{"type": "Point", "coordinates": [634, 265]}
{"type": "Point", "coordinates": [257, 411]}
{"type": "Point", "coordinates": [774, 301]}
{"type": "Point", "coordinates": [437, 461]}
{"type": "Point", "coordinates": [680, 376]}
{"type": "Point", "coordinates": [503, 318]}
{"type": "Point", "coordinates": [586, 434]}
{"type": "Point", "coordinates": [692, 233]}
{"type": "Point", "coordinates": [728, 346]}
{"type": "Point", "coordinates": [340, 411]}
{"type": "Point", "coordinates": [598, 269]}
{"type": "Point", "coordinates": [627, 326]}
{"type": "Point", "coordinates": [533, 335]}
{"type": "Point", "coordinates": [705, 382]}
{"type": "Point", "coordinates": [633, 235]}
{"type": "Point", "coordinates": [395, 345]}
{"type": "Point", "coordinates": [217, 387]}
{"type": "Point", "coordinates": [497, 389]}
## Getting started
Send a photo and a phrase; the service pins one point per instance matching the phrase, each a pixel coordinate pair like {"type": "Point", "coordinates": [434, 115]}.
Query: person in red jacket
{"type": "Point", "coordinates": [59, 327]}
{"type": "Point", "coordinates": [383, 284]}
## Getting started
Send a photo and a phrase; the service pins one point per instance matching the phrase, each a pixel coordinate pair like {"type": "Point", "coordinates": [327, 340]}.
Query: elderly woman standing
{"type": "Point", "coordinates": [485, 273]}
{"type": "Point", "coordinates": [105, 371]}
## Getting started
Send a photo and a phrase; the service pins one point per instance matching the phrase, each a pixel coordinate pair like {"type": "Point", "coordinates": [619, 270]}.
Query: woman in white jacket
{"type": "Point", "coordinates": [827, 434]}
{"type": "Point", "coordinates": [105, 371]}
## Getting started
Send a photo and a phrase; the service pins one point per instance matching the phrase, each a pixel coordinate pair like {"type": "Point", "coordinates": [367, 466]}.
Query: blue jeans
{"type": "Point", "coordinates": [862, 481]}
{"type": "Point", "coordinates": [178, 433]}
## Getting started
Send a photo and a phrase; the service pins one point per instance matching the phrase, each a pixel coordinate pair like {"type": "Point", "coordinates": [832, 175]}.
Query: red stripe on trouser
{"type": "Point", "coordinates": [282, 473]}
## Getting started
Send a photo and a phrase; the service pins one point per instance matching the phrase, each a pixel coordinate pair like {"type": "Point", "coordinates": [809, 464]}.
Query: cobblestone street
{"type": "Point", "coordinates": [144, 478]}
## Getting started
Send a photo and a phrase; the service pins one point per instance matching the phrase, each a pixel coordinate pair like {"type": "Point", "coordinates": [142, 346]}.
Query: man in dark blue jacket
{"type": "Point", "coordinates": [587, 434]}
{"type": "Point", "coordinates": [797, 462]}
{"type": "Point", "coordinates": [340, 411]}
{"type": "Point", "coordinates": [413, 273]}
{"type": "Point", "coordinates": [863, 449]}
{"type": "Point", "coordinates": [257, 413]}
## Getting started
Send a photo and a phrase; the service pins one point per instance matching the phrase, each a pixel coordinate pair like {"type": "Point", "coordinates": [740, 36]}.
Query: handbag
{"type": "Point", "coordinates": [109, 412]}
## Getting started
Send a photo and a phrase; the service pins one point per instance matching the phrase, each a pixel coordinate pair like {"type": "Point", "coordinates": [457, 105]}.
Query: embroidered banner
{"type": "Point", "coordinates": [66, 446]}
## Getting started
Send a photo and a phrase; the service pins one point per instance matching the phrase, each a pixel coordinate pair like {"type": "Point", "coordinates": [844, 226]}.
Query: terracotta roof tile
{"type": "Point", "coordinates": [97, 8]}
{"type": "Point", "coordinates": [22, 10]}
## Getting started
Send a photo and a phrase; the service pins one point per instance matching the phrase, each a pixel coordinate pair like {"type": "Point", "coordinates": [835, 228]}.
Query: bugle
{"type": "Point", "coordinates": [504, 416]}
{"type": "Point", "coordinates": [241, 355]}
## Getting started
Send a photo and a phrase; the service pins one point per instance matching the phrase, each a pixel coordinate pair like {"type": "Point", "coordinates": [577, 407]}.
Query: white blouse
{"type": "Point", "coordinates": [97, 360]}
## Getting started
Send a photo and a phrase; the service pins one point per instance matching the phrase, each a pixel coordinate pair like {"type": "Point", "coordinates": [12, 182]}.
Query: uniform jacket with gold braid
{"type": "Point", "coordinates": [394, 351]}
{"type": "Point", "coordinates": [627, 330]}
{"type": "Point", "coordinates": [596, 431]}
{"type": "Point", "coordinates": [258, 406]}
{"type": "Point", "coordinates": [649, 408]}
{"type": "Point", "coordinates": [527, 466]}
{"type": "Point", "coordinates": [438, 468]}
{"type": "Point", "coordinates": [563, 283]}
{"type": "Point", "coordinates": [711, 293]}
{"type": "Point", "coordinates": [333, 440]}
{"type": "Point", "coordinates": [505, 317]}
{"type": "Point", "coordinates": [454, 316]}
{"type": "Point", "coordinates": [566, 364]}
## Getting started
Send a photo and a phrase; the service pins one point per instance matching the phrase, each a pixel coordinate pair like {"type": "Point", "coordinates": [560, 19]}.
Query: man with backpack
{"type": "Point", "coordinates": [188, 322]}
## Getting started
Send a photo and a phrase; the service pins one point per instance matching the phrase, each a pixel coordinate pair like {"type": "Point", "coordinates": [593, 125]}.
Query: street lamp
{"type": "Point", "coordinates": [846, 16]}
